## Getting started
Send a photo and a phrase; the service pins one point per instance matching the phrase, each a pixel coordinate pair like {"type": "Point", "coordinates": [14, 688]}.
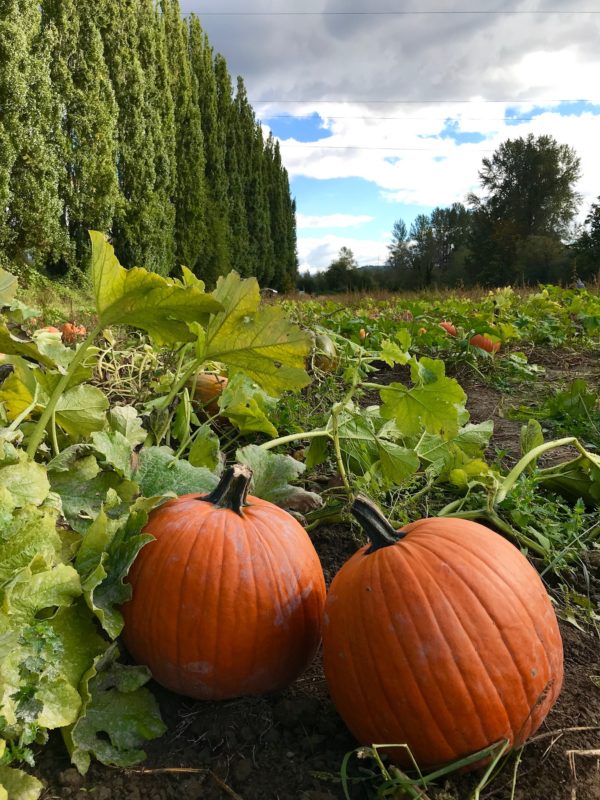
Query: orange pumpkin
{"type": "Point", "coordinates": [209, 387]}
{"type": "Point", "coordinates": [448, 327]}
{"type": "Point", "coordinates": [228, 599]}
{"type": "Point", "coordinates": [71, 332]}
{"type": "Point", "coordinates": [484, 343]}
{"type": "Point", "coordinates": [440, 636]}
{"type": "Point", "coordinates": [50, 329]}
{"type": "Point", "coordinates": [362, 334]}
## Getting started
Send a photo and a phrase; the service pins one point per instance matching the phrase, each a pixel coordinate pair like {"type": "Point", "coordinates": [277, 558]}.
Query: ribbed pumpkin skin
{"type": "Point", "coordinates": [446, 641]}
{"type": "Point", "coordinates": [448, 327]}
{"type": "Point", "coordinates": [224, 605]}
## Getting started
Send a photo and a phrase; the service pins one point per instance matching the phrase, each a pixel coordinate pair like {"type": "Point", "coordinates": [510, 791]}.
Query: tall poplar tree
{"type": "Point", "coordinates": [189, 146]}
{"type": "Point", "coordinates": [34, 206]}
{"type": "Point", "coordinates": [88, 112]}
{"type": "Point", "coordinates": [160, 128]}
{"type": "Point", "coordinates": [133, 225]}
{"type": "Point", "coordinates": [14, 57]}
{"type": "Point", "coordinates": [249, 147]}
{"type": "Point", "coordinates": [215, 248]}
{"type": "Point", "coordinates": [228, 118]}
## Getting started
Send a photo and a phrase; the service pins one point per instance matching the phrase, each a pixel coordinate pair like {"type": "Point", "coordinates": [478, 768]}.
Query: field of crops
{"type": "Point", "coordinates": [480, 408]}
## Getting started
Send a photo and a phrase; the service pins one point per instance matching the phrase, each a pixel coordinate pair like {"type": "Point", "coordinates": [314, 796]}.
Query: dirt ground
{"type": "Point", "coordinates": [290, 746]}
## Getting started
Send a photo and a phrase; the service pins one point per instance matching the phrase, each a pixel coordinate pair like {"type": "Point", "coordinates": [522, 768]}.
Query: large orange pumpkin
{"type": "Point", "coordinates": [440, 636]}
{"type": "Point", "coordinates": [228, 599]}
{"type": "Point", "coordinates": [484, 343]}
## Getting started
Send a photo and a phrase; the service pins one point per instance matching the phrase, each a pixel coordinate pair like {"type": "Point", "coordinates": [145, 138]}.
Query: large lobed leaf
{"type": "Point", "coordinates": [116, 717]}
{"type": "Point", "coordinates": [434, 403]}
{"type": "Point", "coordinates": [271, 476]}
{"type": "Point", "coordinates": [145, 300]}
{"type": "Point", "coordinates": [263, 344]}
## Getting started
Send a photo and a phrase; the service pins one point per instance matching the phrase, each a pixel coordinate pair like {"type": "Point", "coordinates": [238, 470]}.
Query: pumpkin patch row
{"type": "Point", "coordinates": [440, 636]}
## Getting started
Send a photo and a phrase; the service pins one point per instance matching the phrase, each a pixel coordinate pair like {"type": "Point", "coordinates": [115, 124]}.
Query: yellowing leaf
{"type": "Point", "coordinates": [143, 299]}
{"type": "Point", "coordinates": [263, 344]}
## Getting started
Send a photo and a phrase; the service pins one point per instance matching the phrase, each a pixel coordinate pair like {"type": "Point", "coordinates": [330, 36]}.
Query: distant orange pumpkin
{"type": "Point", "coordinates": [71, 332]}
{"type": "Point", "coordinates": [448, 327]}
{"type": "Point", "coordinates": [484, 343]}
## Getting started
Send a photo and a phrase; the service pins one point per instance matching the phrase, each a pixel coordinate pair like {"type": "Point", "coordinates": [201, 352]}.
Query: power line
{"type": "Point", "coordinates": [411, 118]}
{"type": "Point", "coordinates": [420, 13]}
{"type": "Point", "coordinates": [360, 147]}
{"type": "Point", "coordinates": [406, 101]}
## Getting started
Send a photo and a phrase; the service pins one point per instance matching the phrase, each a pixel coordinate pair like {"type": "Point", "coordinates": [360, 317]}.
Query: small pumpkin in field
{"type": "Point", "coordinates": [325, 353]}
{"type": "Point", "coordinates": [71, 332]}
{"type": "Point", "coordinates": [50, 329]}
{"type": "Point", "coordinates": [228, 599]}
{"type": "Point", "coordinates": [440, 636]}
{"type": "Point", "coordinates": [448, 327]}
{"type": "Point", "coordinates": [484, 343]}
{"type": "Point", "coordinates": [208, 388]}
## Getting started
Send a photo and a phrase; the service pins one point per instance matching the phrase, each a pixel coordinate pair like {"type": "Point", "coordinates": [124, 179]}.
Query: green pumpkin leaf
{"type": "Point", "coordinates": [247, 406]}
{"type": "Point", "coordinates": [8, 287]}
{"type": "Point", "coordinates": [435, 403]}
{"type": "Point", "coordinates": [107, 551]}
{"type": "Point", "coordinates": [17, 342]}
{"type": "Point", "coordinates": [116, 717]}
{"type": "Point", "coordinates": [397, 463]}
{"type": "Point", "coordinates": [145, 300]}
{"type": "Point", "coordinates": [531, 436]}
{"type": "Point", "coordinates": [271, 473]}
{"type": "Point", "coordinates": [115, 450]}
{"type": "Point", "coordinates": [443, 454]}
{"type": "Point", "coordinates": [26, 481]}
{"type": "Point", "coordinates": [83, 487]}
{"type": "Point", "coordinates": [159, 472]}
{"type": "Point", "coordinates": [263, 344]}
{"type": "Point", "coordinates": [18, 785]}
{"type": "Point", "coordinates": [205, 450]}
{"type": "Point", "coordinates": [82, 410]}
{"type": "Point", "coordinates": [392, 353]}
{"type": "Point", "coordinates": [126, 421]}
{"type": "Point", "coordinates": [371, 446]}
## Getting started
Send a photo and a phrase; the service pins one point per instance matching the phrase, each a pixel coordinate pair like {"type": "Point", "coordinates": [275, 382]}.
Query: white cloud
{"type": "Point", "coordinates": [317, 253]}
{"type": "Point", "coordinates": [430, 170]}
{"type": "Point", "coordinates": [332, 220]}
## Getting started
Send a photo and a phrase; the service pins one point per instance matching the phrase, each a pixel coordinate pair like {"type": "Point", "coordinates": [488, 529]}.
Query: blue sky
{"type": "Point", "coordinates": [384, 115]}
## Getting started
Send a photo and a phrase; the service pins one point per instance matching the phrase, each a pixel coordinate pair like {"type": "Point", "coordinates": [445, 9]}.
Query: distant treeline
{"type": "Point", "coordinates": [116, 115]}
{"type": "Point", "coordinates": [519, 232]}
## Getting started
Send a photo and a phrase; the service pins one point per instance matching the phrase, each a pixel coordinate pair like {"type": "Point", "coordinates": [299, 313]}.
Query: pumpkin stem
{"type": "Point", "coordinates": [232, 489]}
{"type": "Point", "coordinates": [375, 525]}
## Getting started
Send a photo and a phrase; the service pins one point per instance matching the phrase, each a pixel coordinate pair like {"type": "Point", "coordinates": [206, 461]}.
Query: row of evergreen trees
{"type": "Point", "coordinates": [116, 115]}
